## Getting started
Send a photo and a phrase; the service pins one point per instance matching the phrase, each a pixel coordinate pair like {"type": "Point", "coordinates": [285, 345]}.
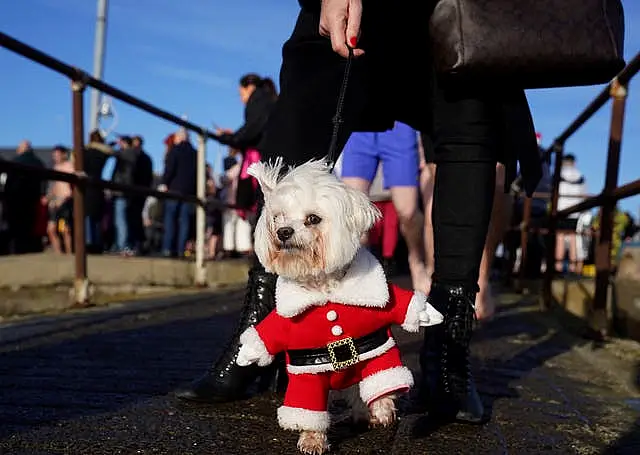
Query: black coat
{"type": "Point", "coordinates": [256, 114]}
{"type": "Point", "coordinates": [95, 158]}
{"type": "Point", "coordinates": [180, 169]}
{"type": "Point", "coordinates": [388, 83]}
{"type": "Point", "coordinates": [22, 191]}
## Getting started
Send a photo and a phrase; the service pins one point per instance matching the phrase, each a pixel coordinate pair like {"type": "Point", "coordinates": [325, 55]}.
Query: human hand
{"type": "Point", "coordinates": [340, 21]}
{"type": "Point", "coordinates": [162, 188]}
{"type": "Point", "coordinates": [221, 131]}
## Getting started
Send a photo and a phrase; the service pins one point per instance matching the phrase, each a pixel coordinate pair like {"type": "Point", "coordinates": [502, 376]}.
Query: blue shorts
{"type": "Point", "coordinates": [396, 148]}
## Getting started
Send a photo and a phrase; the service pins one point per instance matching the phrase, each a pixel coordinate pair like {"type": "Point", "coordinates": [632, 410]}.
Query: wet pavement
{"type": "Point", "coordinates": [100, 382]}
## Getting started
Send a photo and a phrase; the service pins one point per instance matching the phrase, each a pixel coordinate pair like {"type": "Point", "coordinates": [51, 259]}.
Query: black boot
{"type": "Point", "coordinates": [226, 381]}
{"type": "Point", "coordinates": [448, 388]}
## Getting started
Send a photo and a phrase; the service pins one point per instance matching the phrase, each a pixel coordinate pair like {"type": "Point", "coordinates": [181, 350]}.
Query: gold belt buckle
{"type": "Point", "coordinates": [346, 356]}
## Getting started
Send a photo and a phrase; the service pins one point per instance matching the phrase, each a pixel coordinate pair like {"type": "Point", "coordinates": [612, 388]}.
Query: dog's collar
{"type": "Point", "coordinates": [364, 284]}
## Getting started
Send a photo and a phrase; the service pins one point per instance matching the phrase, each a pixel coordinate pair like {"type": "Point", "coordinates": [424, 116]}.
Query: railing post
{"type": "Point", "coordinates": [81, 282]}
{"type": "Point", "coordinates": [200, 274]}
{"type": "Point", "coordinates": [524, 241]}
{"type": "Point", "coordinates": [547, 294]}
{"type": "Point", "coordinates": [600, 320]}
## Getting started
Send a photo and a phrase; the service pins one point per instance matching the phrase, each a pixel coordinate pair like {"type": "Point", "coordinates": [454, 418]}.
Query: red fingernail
{"type": "Point", "coordinates": [353, 41]}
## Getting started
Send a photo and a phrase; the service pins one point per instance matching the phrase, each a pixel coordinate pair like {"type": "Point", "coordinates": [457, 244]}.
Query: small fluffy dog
{"type": "Point", "coordinates": [334, 307]}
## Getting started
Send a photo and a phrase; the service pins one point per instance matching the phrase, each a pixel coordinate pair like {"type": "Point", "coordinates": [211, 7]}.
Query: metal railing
{"type": "Point", "coordinates": [79, 81]}
{"type": "Point", "coordinates": [607, 199]}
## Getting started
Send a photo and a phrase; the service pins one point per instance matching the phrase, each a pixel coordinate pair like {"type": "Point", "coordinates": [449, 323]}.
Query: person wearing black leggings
{"type": "Point", "coordinates": [472, 126]}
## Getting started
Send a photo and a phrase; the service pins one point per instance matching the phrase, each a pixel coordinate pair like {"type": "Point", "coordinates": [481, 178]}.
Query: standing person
{"type": "Point", "coordinates": [60, 203]}
{"type": "Point", "coordinates": [397, 149]}
{"type": "Point", "coordinates": [142, 176]}
{"type": "Point", "coordinates": [179, 176]}
{"type": "Point", "coordinates": [96, 155]}
{"type": "Point", "coordinates": [225, 380]}
{"type": "Point", "coordinates": [123, 172]}
{"type": "Point", "coordinates": [23, 193]}
{"type": "Point", "coordinates": [472, 126]}
{"type": "Point", "coordinates": [259, 96]}
{"type": "Point", "coordinates": [571, 191]}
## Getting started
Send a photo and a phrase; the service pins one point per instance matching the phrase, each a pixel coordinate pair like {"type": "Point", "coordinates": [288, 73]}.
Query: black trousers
{"type": "Point", "coordinates": [467, 124]}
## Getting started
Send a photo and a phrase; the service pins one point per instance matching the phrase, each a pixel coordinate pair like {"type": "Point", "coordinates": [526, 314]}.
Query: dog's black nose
{"type": "Point", "coordinates": [284, 233]}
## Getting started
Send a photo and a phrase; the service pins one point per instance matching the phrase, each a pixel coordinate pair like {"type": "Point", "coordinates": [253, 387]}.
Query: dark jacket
{"type": "Point", "coordinates": [125, 167]}
{"type": "Point", "coordinates": [96, 155]}
{"type": "Point", "coordinates": [181, 169]}
{"type": "Point", "coordinates": [382, 89]}
{"type": "Point", "coordinates": [256, 113]}
{"type": "Point", "coordinates": [23, 191]}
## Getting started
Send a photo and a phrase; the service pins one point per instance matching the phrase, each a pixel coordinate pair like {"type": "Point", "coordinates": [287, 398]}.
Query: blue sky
{"type": "Point", "coordinates": [186, 57]}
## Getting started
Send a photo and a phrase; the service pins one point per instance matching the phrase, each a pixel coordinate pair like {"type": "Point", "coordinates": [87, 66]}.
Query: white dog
{"type": "Point", "coordinates": [334, 307]}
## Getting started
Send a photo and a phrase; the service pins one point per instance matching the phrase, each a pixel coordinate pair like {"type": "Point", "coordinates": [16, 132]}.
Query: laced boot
{"type": "Point", "coordinates": [226, 381]}
{"type": "Point", "coordinates": [448, 388]}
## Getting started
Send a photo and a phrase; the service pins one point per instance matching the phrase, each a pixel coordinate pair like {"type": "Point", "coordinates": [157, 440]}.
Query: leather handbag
{"type": "Point", "coordinates": [529, 43]}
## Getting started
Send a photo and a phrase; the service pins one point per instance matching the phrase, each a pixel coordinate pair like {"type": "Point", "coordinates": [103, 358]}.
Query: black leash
{"type": "Point", "coordinates": [337, 118]}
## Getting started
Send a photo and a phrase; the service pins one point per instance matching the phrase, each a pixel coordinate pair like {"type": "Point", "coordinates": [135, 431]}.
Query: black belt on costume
{"type": "Point", "coordinates": [341, 353]}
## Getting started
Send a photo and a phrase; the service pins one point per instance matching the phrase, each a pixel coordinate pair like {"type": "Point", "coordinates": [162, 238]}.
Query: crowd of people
{"type": "Point", "coordinates": [36, 215]}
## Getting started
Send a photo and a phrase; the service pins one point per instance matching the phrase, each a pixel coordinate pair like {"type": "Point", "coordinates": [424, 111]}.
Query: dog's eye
{"type": "Point", "coordinates": [312, 220]}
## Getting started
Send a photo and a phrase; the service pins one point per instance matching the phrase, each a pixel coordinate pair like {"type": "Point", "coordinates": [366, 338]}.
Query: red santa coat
{"type": "Point", "coordinates": [362, 303]}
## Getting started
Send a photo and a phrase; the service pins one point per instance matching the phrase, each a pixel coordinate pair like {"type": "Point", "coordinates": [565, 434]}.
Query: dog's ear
{"type": "Point", "coordinates": [363, 214]}
{"type": "Point", "coordinates": [267, 174]}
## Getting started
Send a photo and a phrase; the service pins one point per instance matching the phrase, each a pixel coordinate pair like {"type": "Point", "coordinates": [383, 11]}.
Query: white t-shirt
{"type": "Point", "coordinates": [572, 189]}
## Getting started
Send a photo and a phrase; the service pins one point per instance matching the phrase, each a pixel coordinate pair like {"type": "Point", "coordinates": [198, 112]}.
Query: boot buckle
{"type": "Point", "coordinates": [343, 353]}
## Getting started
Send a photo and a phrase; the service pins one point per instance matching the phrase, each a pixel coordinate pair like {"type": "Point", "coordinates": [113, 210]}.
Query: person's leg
{"type": "Point", "coordinates": [390, 228]}
{"type": "Point", "coordinates": [500, 216]}
{"type": "Point", "coordinates": [52, 233]}
{"type": "Point", "coordinates": [470, 135]}
{"type": "Point", "coordinates": [184, 223]}
{"type": "Point", "coordinates": [244, 242]}
{"type": "Point", "coordinates": [121, 224]}
{"type": "Point", "coordinates": [399, 155]}
{"type": "Point", "coordinates": [560, 251]}
{"type": "Point", "coordinates": [573, 252]}
{"type": "Point", "coordinates": [170, 210]}
{"type": "Point", "coordinates": [427, 182]}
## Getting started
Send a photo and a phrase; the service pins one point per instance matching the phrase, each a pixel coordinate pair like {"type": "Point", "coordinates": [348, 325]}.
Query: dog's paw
{"type": "Point", "coordinates": [313, 442]}
{"type": "Point", "coordinates": [383, 412]}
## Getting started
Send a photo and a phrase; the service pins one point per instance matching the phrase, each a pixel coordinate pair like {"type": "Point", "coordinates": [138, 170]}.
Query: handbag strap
{"type": "Point", "coordinates": [337, 118]}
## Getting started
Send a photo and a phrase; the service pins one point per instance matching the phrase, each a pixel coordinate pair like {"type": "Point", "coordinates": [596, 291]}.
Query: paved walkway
{"type": "Point", "coordinates": [99, 382]}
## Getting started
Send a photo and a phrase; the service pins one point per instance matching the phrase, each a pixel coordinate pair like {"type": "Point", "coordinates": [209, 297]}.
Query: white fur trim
{"type": "Point", "coordinates": [298, 419]}
{"type": "Point", "coordinates": [324, 367]}
{"type": "Point", "coordinates": [251, 339]}
{"type": "Point", "coordinates": [417, 304]}
{"type": "Point", "coordinates": [385, 382]}
{"type": "Point", "coordinates": [364, 284]}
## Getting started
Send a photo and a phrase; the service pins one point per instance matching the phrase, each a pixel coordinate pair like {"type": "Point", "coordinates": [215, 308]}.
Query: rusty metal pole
{"type": "Point", "coordinates": [547, 294]}
{"type": "Point", "coordinates": [200, 275]}
{"type": "Point", "coordinates": [81, 283]}
{"type": "Point", "coordinates": [600, 321]}
{"type": "Point", "coordinates": [524, 241]}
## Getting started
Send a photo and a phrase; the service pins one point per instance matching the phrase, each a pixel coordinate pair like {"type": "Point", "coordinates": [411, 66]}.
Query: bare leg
{"type": "Point", "coordinates": [405, 200]}
{"type": "Point", "coordinates": [427, 179]}
{"type": "Point", "coordinates": [500, 216]}
{"type": "Point", "coordinates": [573, 252]}
{"type": "Point", "coordinates": [560, 250]}
{"type": "Point", "coordinates": [66, 238]}
{"type": "Point", "coordinates": [52, 233]}
{"type": "Point", "coordinates": [361, 185]}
